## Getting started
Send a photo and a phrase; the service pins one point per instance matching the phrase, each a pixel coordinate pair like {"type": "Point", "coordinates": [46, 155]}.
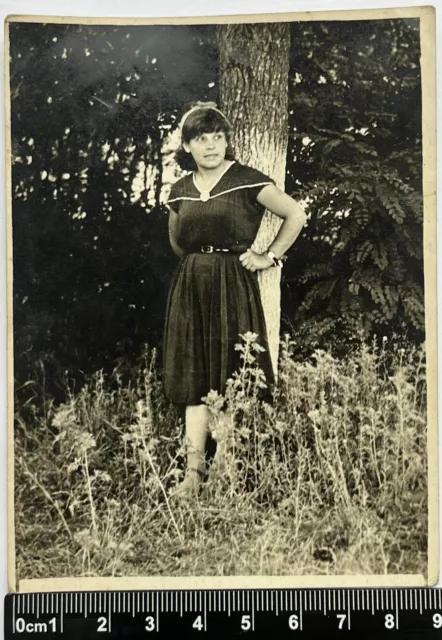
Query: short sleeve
{"type": "Point", "coordinates": [175, 195]}
{"type": "Point", "coordinates": [256, 180]}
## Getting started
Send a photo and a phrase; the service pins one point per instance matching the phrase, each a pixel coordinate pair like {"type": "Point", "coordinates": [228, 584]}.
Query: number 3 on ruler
{"type": "Point", "coordinates": [150, 623]}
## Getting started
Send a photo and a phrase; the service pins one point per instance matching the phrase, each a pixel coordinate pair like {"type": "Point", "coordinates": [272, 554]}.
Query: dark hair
{"type": "Point", "coordinates": [203, 120]}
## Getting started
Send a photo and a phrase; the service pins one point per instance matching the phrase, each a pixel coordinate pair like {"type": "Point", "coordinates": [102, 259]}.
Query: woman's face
{"type": "Point", "coordinates": [208, 149]}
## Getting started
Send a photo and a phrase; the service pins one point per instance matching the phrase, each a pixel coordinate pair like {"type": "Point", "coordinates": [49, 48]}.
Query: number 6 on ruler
{"type": "Point", "coordinates": [294, 622]}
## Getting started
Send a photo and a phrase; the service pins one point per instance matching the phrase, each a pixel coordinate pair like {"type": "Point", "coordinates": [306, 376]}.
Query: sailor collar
{"type": "Point", "coordinates": [191, 191]}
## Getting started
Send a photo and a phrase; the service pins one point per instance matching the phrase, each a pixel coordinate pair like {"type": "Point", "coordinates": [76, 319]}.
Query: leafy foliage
{"type": "Point", "coordinates": [356, 157]}
{"type": "Point", "coordinates": [92, 109]}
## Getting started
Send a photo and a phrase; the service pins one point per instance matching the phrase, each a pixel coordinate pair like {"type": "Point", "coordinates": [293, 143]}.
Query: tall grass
{"type": "Point", "coordinates": [328, 476]}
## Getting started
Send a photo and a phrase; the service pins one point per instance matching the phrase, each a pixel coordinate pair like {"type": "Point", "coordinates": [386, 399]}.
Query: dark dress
{"type": "Point", "coordinates": [212, 297]}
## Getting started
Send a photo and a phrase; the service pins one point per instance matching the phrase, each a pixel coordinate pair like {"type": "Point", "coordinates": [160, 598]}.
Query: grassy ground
{"type": "Point", "coordinates": [329, 478]}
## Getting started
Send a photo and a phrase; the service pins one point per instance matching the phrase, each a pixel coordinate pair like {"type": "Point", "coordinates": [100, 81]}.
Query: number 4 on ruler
{"type": "Point", "coordinates": [198, 624]}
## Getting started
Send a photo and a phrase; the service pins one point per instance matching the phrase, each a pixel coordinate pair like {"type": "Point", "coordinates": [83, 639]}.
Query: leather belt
{"type": "Point", "coordinates": [209, 248]}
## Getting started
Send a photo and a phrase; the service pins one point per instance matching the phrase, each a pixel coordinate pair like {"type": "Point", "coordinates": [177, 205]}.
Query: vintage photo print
{"type": "Point", "coordinates": [222, 301]}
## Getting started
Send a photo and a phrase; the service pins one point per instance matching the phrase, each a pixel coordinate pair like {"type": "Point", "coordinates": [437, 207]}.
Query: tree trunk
{"type": "Point", "coordinates": [254, 67]}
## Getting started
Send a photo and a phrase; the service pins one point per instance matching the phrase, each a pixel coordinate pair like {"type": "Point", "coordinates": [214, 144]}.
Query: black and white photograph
{"type": "Point", "coordinates": [222, 300]}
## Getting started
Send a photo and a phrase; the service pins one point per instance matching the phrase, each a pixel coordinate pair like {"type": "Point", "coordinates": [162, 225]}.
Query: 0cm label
{"type": "Point", "coordinates": [21, 626]}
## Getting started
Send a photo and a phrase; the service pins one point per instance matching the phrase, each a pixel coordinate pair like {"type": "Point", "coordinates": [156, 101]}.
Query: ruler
{"type": "Point", "coordinates": [285, 613]}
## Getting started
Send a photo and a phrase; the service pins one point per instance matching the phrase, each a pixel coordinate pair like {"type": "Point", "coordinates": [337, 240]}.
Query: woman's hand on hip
{"type": "Point", "coordinates": [254, 261]}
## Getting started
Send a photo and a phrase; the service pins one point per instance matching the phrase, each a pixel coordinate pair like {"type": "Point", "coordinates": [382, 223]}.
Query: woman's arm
{"type": "Point", "coordinates": [294, 218]}
{"type": "Point", "coordinates": [173, 232]}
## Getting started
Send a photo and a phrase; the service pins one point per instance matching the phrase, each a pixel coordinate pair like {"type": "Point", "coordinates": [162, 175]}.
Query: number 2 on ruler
{"type": "Point", "coordinates": [102, 624]}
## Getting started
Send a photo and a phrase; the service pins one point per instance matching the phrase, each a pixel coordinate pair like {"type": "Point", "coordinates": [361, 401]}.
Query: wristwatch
{"type": "Point", "coordinates": [277, 262]}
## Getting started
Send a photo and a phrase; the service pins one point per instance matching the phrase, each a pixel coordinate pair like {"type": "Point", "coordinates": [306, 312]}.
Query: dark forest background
{"type": "Point", "coordinates": [92, 262]}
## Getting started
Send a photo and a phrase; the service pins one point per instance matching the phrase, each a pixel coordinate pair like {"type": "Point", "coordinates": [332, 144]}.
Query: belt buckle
{"type": "Point", "coordinates": [207, 248]}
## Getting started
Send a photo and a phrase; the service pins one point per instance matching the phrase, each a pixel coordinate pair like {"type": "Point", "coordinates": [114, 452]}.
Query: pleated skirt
{"type": "Point", "coordinates": [212, 300]}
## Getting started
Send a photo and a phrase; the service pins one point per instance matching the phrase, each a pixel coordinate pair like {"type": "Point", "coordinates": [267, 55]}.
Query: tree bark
{"type": "Point", "coordinates": [254, 68]}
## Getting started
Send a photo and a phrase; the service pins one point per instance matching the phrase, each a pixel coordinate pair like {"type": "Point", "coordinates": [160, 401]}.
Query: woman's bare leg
{"type": "Point", "coordinates": [197, 428]}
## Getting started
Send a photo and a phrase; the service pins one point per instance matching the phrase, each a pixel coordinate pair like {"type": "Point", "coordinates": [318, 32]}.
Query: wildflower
{"type": "Point", "coordinates": [249, 336]}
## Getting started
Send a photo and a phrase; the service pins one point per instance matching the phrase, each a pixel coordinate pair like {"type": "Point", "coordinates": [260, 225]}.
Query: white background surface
{"type": "Point", "coordinates": [143, 9]}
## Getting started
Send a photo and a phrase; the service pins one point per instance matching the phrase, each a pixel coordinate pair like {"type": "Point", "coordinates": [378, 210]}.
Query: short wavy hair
{"type": "Point", "coordinates": [206, 119]}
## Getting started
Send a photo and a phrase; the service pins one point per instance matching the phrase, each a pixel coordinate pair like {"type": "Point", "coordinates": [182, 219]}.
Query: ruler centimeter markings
{"type": "Point", "coordinates": [253, 613]}
{"type": "Point", "coordinates": [14, 607]}
{"type": "Point", "coordinates": [109, 613]}
{"type": "Point", "coordinates": [300, 611]}
{"type": "Point", "coordinates": [157, 612]}
{"type": "Point", "coordinates": [205, 611]}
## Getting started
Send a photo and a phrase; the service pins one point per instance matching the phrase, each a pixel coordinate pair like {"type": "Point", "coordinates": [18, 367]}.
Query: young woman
{"type": "Point", "coordinates": [215, 214]}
